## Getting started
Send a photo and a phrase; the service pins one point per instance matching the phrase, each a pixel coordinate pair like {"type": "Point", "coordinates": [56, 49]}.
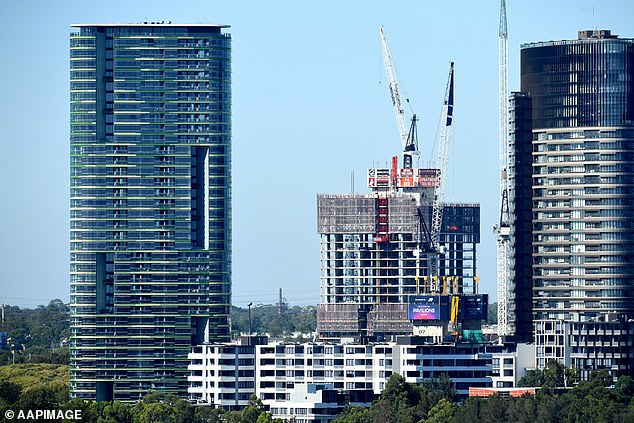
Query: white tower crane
{"type": "Point", "coordinates": [431, 247]}
{"type": "Point", "coordinates": [503, 228]}
{"type": "Point", "coordinates": [444, 146]}
{"type": "Point", "coordinates": [446, 138]}
{"type": "Point", "coordinates": [408, 137]}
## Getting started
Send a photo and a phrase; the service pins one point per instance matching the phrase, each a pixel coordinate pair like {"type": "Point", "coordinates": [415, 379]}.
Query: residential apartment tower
{"type": "Point", "coordinates": [582, 154]}
{"type": "Point", "coordinates": [150, 141]}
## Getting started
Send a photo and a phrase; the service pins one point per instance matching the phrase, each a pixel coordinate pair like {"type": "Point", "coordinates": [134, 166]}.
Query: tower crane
{"type": "Point", "coordinates": [503, 228]}
{"type": "Point", "coordinates": [444, 145]}
{"type": "Point", "coordinates": [409, 139]}
{"type": "Point", "coordinates": [433, 249]}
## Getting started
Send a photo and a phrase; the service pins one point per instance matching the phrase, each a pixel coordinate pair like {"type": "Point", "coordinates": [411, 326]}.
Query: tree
{"type": "Point", "coordinates": [154, 412]}
{"type": "Point", "coordinates": [433, 390]}
{"type": "Point", "coordinates": [39, 398]}
{"type": "Point", "coordinates": [385, 411]}
{"type": "Point", "coordinates": [115, 412]}
{"type": "Point", "coordinates": [554, 375]}
{"type": "Point", "coordinates": [207, 414]}
{"type": "Point", "coordinates": [9, 392]}
{"type": "Point", "coordinates": [624, 389]}
{"type": "Point", "coordinates": [36, 335]}
{"type": "Point", "coordinates": [469, 410]}
{"type": "Point", "coordinates": [269, 318]}
{"type": "Point", "coordinates": [532, 378]}
{"type": "Point", "coordinates": [251, 412]}
{"type": "Point", "coordinates": [265, 418]}
{"type": "Point", "coordinates": [494, 409]}
{"type": "Point", "coordinates": [353, 414]}
{"type": "Point", "coordinates": [163, 408]}
{"type": "Point", "coordinates": [522, 409]}
{"type": "Point", "coordinates": [442, 412]}
{"type": "Point", "coordinates": [398, 391]}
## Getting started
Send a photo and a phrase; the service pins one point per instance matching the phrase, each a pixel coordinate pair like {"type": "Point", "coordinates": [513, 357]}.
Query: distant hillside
{"type": "Point", "coordinates": [30, 376]}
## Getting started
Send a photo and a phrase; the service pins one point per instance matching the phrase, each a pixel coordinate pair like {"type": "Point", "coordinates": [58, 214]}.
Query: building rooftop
{"type": "Point", "coordinates": [587, 35]}
{"type": "Point", "coordinates": [150, 23]}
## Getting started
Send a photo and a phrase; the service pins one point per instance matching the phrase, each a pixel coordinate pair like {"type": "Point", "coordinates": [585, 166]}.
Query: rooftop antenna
{"type": "Point", "coordinates": [352, 181]}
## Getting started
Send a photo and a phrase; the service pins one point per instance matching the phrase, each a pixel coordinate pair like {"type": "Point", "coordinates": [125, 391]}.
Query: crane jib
{"type": "Point", "coordinates": [450, 100]}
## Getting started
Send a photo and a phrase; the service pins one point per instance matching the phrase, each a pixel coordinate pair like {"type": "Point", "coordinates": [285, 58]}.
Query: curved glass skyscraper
{"type": "Point", "coordinates": [150, 205]}
{"type": "Point", "coordinates": [582, 95]}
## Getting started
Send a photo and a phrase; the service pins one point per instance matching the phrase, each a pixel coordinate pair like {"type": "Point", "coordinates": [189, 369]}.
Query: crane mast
{"type": "Point", "coordinates": [503, 229]}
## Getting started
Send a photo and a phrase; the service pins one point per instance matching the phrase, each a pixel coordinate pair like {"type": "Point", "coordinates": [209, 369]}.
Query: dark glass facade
{"type": "Point", "coordinates": [582, 83]}
{"type": "Point", "coordinates": [150, 173]}
{"type": "Point", "coordinates": [582, 157]}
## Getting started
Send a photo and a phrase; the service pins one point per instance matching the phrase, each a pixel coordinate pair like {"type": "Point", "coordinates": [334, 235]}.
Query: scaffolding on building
{"type": "Point", "coordinates": [366, 285]}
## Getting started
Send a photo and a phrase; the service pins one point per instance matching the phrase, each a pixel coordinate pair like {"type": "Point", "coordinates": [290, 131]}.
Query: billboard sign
{"type": "Point", "coordinates": [378, 178]}
{"type": "Point", "coordinates": [424, 308]}
{"type": "Point", "coordinates": [429, 177]}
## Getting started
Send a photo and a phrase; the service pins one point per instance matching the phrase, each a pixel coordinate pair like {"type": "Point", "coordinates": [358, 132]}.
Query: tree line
{"type": "Point", "coordinates": [41, 335]}
{"type": "Point", "coordinates": [155, 407]}
{"type": "Point", "coordinates": [598, 399]}
{"type": "Point", "coordinates": [274, 320]}
{"type": "Point", "coordinates": [37, 335]}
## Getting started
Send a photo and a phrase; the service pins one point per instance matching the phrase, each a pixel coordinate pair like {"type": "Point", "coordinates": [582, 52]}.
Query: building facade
{"type": "Point", "coordinates": [366, 285]}
{"type": "Point", "coordinates": [150, 141]}
{"type": "Point", "coordinates": [582, 109]}
{"type": "Point", "coordinates": [224, 375]}
{"type": "Point", "coordinates": [582, 95]}
{"type": "Point", "coordinates": [520, 201]}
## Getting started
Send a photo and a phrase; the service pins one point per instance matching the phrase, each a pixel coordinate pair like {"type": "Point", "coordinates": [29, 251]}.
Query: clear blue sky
{"type": "Point", "coordinates": [310, 106]}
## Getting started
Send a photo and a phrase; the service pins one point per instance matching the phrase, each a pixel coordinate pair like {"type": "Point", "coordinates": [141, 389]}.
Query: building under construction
{"type": "Point", "coordinates": [369, 268]}
{"type": "Point", "coordinates": [382, 250]}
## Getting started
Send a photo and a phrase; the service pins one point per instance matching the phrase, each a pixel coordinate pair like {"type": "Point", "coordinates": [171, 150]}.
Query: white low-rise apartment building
{"type": "Point", "coordinates": [331, 375]}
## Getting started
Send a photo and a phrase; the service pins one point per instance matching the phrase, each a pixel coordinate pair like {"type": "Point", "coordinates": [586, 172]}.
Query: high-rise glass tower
{"type": "Point", "coordinates": [150, 145]}
{"type": "Point", "coordinates": [582, 94]}
{"type": "Point", "coordinates": [572, 146]}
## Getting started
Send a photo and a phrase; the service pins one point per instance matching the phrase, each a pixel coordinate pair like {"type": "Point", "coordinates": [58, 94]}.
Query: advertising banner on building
{"type": "Point", "coordinates": [424, 308]}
